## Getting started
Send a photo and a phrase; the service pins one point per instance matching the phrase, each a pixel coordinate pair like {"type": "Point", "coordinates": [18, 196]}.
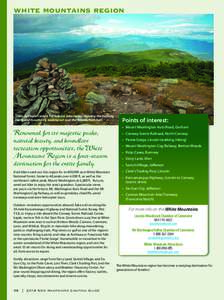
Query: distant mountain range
{"type": "Point", "coordinates": [70, 60]}
{"type": "Point", "coordinates": [29, 47]}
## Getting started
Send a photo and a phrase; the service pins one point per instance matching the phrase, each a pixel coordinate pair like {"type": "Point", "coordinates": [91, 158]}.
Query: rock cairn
{"type": "Point", "coordinates": [48, 92]}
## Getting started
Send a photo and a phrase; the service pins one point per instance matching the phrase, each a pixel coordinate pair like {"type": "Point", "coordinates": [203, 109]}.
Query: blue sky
{"type": "Point", "coordinates": [198, 26]}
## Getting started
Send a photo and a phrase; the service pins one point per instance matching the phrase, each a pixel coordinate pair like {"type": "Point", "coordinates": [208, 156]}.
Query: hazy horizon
{"type": "Point", "coordinates": [36, 35]}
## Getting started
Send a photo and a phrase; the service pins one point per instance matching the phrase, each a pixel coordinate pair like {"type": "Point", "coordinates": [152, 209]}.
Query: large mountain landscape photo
{"type": "Point", "coordinates": [116, 64]}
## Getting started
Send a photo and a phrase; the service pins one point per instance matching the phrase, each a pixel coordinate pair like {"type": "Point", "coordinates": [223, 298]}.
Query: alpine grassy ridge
{"type": "Point", "coordinates": [168, 63]}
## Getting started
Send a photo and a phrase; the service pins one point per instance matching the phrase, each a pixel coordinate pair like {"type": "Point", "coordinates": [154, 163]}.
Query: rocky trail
{"type": "Point", "coordinates": [155, 96]}
{"type": "Point", "coordinates": [52, 94]}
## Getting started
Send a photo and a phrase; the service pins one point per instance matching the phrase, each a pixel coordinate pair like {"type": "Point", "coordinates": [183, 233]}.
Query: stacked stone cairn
{"type": "Point", "coordinates": [48, 92]}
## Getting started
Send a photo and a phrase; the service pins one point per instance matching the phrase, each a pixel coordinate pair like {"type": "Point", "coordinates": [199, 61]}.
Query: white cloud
{"type": "Point", "coordinates": [175, 30]}
{"type": "Point", "coordinates": [182, 25]}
